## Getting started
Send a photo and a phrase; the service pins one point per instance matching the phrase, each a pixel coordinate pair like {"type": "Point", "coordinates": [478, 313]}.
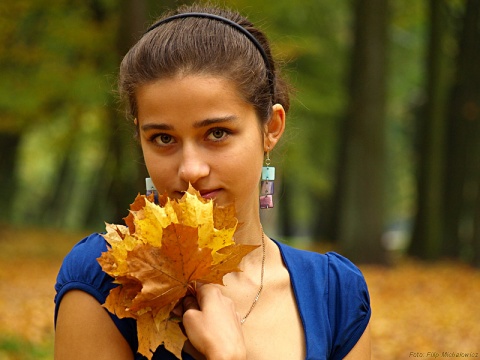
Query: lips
{"type": "Point", "coordinates": [209, 194]}
{"type": "Point", "coordinates": [205, 193]}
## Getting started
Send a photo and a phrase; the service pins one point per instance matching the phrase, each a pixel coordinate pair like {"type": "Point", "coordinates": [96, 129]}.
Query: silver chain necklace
{"type": "Point", "coordinates": [261, 281]}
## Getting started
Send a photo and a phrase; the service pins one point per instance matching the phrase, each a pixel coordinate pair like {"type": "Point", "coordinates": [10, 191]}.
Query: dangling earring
{"type": "Point", "coordinates": [266, 190]}
{"type": "Point", "coordinates": [151, 189]}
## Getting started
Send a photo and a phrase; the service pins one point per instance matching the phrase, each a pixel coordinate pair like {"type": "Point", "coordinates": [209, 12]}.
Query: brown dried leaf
{"type": "Point", "coordinates": [166, 272]}
{"type": "Point", "coordinates": [162, 253]}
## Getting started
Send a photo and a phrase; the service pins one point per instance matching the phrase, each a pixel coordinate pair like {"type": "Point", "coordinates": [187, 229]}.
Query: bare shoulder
{"type": "Point", "coordinates": [362, 349]}
{"type": "Point", "coordinates": [84, 330]}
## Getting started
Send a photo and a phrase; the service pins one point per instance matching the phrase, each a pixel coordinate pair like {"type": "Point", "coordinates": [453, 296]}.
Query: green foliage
{"type": "Point", "coordinates": [53, 53]}
{"type": "Point", "coordinates": [17, 348]}
{"type": "Point", "coordinates": [407, 52]}
{"type": "Point", "coordinates": [55, 77]}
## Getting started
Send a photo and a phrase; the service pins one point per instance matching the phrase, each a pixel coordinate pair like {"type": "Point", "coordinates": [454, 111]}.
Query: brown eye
{"type": "Point", "coordinates": [163, 139]}
{"type": "Point", "coordinates": [218, 134]}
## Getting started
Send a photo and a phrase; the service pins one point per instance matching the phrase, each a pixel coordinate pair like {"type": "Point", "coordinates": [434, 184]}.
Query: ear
{"type": "Point", "coordinates": [274, 128]}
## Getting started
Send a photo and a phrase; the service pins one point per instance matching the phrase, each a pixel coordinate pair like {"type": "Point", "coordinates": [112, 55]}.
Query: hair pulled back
{"type": "Point", "coordinates": [203, 46]}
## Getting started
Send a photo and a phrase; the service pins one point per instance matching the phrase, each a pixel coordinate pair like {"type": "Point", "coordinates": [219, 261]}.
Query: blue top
{"type": "Point", "coordinates": [331, 294]}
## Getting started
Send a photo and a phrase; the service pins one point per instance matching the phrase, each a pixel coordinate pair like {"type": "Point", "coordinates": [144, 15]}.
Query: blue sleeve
{"type": "Point", "coordinates": [349, 304]}
{"type": "Point", "coordinates": [80, 270]}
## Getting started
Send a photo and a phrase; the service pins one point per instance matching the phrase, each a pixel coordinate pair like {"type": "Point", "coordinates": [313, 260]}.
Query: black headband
{"type": "Point", "coordinates": [270, 73]}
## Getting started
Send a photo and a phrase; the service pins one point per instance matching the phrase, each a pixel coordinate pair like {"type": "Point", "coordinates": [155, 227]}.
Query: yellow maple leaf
{"type": "Point", "coordinates": [160, 255]}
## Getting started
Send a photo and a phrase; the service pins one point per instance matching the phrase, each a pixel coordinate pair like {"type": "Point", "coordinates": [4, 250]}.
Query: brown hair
{"type": "Point", "coordinates": [195, 45]}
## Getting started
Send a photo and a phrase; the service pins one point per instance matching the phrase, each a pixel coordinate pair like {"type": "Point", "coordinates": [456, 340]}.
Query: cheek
{"type": "Point", "coordinates": [245, 167]}
{"type": "Point", "coordinates": [148, 159]}
{"type": "Point", "coordinates": [160, 170]}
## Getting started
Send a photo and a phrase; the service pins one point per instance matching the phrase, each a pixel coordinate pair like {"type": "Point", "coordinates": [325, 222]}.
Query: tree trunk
{"type": "Point", "coordinates": [463, 147]}
{"type": "Point", "coordinates": [427, 235]}
{"type": "Point", "coordinates": [285, 209]}
{"type": "Point", "coordinates": [9, 143]}
{"type": "Point", "coordinates": [476, 233]}
{"type": "Point", "coordinates": [362, 165]}
{"type": "Point", "coordinates": [124, 171]}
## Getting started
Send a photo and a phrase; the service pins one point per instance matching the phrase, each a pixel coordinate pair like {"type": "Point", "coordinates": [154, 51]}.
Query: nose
{"type": "Point", "coordinates": [193, 165]}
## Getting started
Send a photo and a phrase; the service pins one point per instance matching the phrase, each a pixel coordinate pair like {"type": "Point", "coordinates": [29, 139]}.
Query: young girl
{"type": "Point", "coordinates": [209, 106]}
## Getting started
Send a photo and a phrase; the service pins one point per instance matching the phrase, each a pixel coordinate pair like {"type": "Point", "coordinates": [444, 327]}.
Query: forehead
{"type": "Point", "coordinates": [188, 87]}
{"type": "Point", "coordinates": [187, 96]}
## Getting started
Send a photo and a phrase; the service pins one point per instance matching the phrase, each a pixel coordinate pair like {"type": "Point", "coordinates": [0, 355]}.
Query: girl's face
{"type": "Point", "coordinates": [197, 129]}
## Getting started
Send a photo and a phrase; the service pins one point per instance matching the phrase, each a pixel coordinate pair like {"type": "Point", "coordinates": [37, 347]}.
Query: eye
{"type": "Point", "coordinates": [163, 139]}
{"type": "Point", "coordinates": [218, 134]}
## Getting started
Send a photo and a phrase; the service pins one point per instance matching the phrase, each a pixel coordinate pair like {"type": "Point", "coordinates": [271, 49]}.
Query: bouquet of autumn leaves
{"type": "Point", "coordinates": [160, 255]}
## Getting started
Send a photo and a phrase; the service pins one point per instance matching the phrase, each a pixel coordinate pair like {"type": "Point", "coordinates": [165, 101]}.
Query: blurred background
{"type": "Point", "coordinates": [381, 159]}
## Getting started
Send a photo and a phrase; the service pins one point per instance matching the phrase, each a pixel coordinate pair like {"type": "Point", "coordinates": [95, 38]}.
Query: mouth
{"type": "Point", "coordinates": [204, 193]}
{"type": "Point", "coordinates": [209, 194]}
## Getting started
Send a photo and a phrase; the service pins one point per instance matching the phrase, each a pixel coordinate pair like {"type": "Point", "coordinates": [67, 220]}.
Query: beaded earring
{"type": "Point", "coordinates": [266, 189]}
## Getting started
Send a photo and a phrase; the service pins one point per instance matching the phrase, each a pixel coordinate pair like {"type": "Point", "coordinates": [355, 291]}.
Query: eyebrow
{"type": "Point", "coordinates": [208, 122]}
{"type": "Point", "coordinates": [197, 125]}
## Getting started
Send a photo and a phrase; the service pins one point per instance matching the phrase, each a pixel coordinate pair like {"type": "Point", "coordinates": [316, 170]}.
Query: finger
{"type": "Point", "coordinates": [206, 292]}
{"type": "Point", "coordinates": [178, 309]}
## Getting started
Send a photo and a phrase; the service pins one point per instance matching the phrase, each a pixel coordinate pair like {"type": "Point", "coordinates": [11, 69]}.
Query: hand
{"type": "Point", "coordinates": [212, 325]}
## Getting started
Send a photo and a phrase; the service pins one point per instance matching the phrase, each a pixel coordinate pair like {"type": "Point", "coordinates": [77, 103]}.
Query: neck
{"type": "Point", "coordinates": [249, 233]}
{"type": "Point", "coordinates": [249, 229]}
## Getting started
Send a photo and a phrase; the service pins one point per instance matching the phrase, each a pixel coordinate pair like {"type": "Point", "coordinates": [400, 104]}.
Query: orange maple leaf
{"type": "Point", "coordinates": [166, 272]}
{"type": "Point", "coordinates": [160, 255]}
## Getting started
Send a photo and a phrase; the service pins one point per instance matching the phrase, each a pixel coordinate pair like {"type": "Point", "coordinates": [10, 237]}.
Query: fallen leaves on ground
{"type": "Point", "coordinates": [159, 257]}
{"type": "Point", "coordinates": [427, 309]}
{"type": "Point", "coordinates": [417, 307]}
{"type": "Point", "coordinates": [29, 262]}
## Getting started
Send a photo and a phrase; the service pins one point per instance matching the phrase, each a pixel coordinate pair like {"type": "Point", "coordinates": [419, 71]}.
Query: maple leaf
{"type": "Point", "coordinates": [160, 255]}
{"type": "Point", "coordinates": [167, 271]}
